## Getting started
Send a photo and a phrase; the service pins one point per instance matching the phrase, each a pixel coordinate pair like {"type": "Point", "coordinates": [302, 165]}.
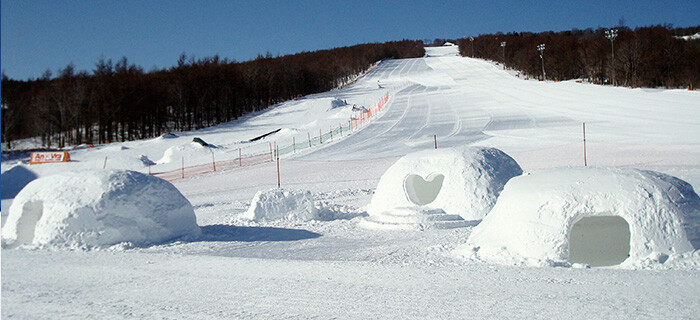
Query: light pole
{"type": "Point", "coordinates": [503, 45]}
{"type": "Point", "coordinates": [611, 35]}
{"type": "Point", "coordinates": [472, 41]}
{"type": "Point", "coordinates": [540, 48]}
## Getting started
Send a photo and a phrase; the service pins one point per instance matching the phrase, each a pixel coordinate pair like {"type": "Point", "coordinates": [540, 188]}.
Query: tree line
{"type": "Point", "coordinates": [118, 101]}
{"type": "Point", "coordinates": [653, 56]}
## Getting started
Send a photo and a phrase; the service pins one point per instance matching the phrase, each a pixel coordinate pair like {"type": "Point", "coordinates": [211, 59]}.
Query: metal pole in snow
{"type": "Point", "coordinates": [585, 163]}
{"type": "Point", "coordinates": [331, 131]}
{"type": "Point", "coordinates": [278, 167]}
{"type": "Point", "coordinates": [309, 136]}
{"type": "Point", "coordinates": [104, 165]}
{"type": "Point", "coordinates": [320, 137]}
{"type": "Point", "coordinates": [294, 144]}
{"type": "Point", "coordinates": [435, 139]}
{"type": "Point", "coordinates": [213, 161]}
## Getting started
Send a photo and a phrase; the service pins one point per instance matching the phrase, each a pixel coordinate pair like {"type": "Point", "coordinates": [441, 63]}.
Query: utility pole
{"type": "Point", "coordinates": [503, 45]}
{"type": "Point", "coordinates": [540, 48]}
{"type": "Point", "coordinates": [471, 39]}
{"type": "Point", "coordinates": [611, 35]}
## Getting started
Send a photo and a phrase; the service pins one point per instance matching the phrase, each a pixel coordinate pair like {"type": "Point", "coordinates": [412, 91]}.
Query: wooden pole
{"type": "Point", "coordinates": [240, 159]}
{"type": "Point", "coordinates": [435, 139]}
{"type": "Point", "coordinates": [585, 162]}
{"type": "Point", "coordinates": [213, 161]}
{"type": "Point", "coordinates": [279, 185]}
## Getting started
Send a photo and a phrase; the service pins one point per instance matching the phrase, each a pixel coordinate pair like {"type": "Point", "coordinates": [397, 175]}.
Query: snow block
{"type": "Point", "coordinates": [97, 209]}
{"type": "Point", "coordinates": [282, 204]}
{"type": "Point", "coordinates": [461, 184]}
{"type": "Point", "coordinates": [588, 216]}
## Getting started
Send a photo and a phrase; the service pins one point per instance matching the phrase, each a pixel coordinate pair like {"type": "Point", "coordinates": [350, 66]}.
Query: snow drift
{"type": "Point", "coordinates": [98, 208]}
{"type": "Point", "coordinates": [597, 217]}
{"type": "Point", "coordinates": [282, 204]}
{"type": "Point", "coordinates": [441, 185]}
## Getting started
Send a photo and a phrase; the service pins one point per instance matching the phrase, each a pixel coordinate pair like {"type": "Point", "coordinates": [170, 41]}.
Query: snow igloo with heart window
{"type": "Point", "coordinates": [443, 188]}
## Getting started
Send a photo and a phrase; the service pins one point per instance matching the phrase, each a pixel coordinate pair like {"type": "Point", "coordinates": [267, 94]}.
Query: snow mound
{"type": "Point", "coordinates": [588, 216]}
{"type": "Point", "coordinates": [431, 187]}
{"type": "Point", "coordinates": [97, 209]}
{"type": "Point", "coordinates": [190, 150]}
{"type": "Point", "coordinates": [282, 204]}
{"type": "Point", "coordinates": [14, 179]}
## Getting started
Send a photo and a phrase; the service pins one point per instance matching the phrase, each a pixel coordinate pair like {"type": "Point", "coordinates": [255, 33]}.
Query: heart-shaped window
{"type": "Point", "coordinates": [423, 191]}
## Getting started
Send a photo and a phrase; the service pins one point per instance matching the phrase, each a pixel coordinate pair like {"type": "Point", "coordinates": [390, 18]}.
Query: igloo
{"type": "Point", "coordinates": [98, 208]}
{"type": "Point", "coordinates": [589, 216]}
{"type": "Point", "coordinates": [443, 188]}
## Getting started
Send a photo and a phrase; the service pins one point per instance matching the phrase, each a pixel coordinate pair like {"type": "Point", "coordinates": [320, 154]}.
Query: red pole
{"type": "Point", "coordinates": [240, 159]}
{"type": "Point", "coordinates": [435, 138]}
{"type": "Point", "coordinates": [183, 167]}
{"type": "Point", "coordinates": [585, 162]}
{"type": "Point", "coordinates": [278, 167]}
{"type": "Point", "coordinates": [213, 161]}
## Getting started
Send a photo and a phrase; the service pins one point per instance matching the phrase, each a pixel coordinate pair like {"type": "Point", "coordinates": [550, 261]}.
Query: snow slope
{"type": "Point", "coordinates": [240, 268]}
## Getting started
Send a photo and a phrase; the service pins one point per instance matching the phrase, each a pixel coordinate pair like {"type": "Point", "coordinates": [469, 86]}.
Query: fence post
{"type": "Point", "coordinates": [435, 138]}
{"type": "Point", "coordinates": [585, 162]}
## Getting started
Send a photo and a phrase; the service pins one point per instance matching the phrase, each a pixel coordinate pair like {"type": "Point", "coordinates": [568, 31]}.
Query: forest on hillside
{"type": "Point", "coordinates": [118, 101]}
{"type": "Point", "coordinates": [654, 56]}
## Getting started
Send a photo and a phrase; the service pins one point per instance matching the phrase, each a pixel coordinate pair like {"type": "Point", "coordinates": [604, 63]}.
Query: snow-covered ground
{"type": "Point", "coordinates": [330, 267]}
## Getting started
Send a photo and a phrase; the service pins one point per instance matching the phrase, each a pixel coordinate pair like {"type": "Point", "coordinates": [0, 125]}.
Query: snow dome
{"type": "Point", "coordinates": [440, 188]}
{"type": "Point", "coordinates": [596, 217]}
{"type": "Point", "coordinates": [98, 208]}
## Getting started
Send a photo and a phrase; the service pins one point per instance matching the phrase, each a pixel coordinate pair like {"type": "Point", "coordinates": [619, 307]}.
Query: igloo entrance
{"type": "Point", "coordinates": [599, 241]}
{"type": "Point", "coordinates": [423, 191]}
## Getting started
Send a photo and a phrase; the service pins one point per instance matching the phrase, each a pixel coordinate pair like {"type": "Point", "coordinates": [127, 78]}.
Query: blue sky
{"type": "Point", "coordinates": [39, 35]}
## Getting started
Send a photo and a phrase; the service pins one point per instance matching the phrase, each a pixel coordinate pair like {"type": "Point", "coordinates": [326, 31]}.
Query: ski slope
{"type": "Point", "coordinates": [333, 269]}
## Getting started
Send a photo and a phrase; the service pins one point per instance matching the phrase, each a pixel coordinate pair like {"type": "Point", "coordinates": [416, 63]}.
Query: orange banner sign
{"type": "Point", "coordinates": [48, 157]}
